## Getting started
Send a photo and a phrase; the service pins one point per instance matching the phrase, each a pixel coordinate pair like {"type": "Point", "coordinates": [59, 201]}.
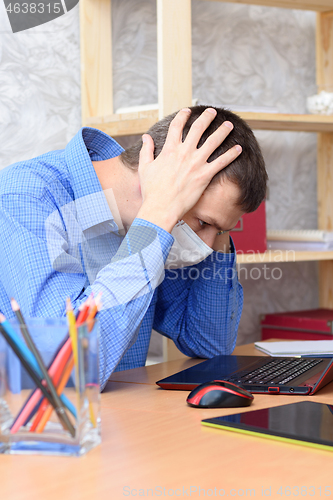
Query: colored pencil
{"type": "Point", "coordinates": [35, 402]}
{"type": "Point", "coordinates": [45, 412]}
{"type": "Point", "coordinates": [26, 364]}
{"type": "Point", "coordinates": [62, 384]}
{"type": "Point", "coordinates": [59, 366]}
{"type": "Point", "coordinates": [84, 311]}
{"type": "Point", "coordinates": [55, 369]}
{"type": "Point", "coordinates": [35, 399]}
{"type": "Point", "coordinates": [29, 357]}
{"type": "Point", "coordinates": [95, 307]}
{"type": "Point", "coordinates": [58, 406]}
{"type": "Point", "coordinates": [72, 328]}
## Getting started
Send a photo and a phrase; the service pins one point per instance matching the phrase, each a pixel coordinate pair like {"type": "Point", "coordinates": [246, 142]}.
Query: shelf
{"type": "Point", "coordinates": [138, 122]}
{"type": "Point", "coordinates": [278, 256]}
{"type": "Point", "coordinates": [317, 5]}
{"type": "Point", "coordinates": [115, 125]}
{"type": "Point", "coordinates": [294, 123]}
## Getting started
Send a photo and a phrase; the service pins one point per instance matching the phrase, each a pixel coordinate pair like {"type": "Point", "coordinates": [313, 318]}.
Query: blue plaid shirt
{"type": "Point", "coordinates": [59, 239]}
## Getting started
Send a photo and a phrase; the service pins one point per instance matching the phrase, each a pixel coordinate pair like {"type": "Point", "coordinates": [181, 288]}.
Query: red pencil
{"type": "Point", "coordinates": [84, 310]}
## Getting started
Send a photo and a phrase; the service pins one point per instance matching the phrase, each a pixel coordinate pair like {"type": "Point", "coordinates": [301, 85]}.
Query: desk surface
{"type": "Point", "coordinates": [153, 446]}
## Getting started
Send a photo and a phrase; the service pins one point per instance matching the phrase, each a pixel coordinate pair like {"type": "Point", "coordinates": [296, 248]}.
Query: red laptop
{"type": "Point", "coordinates": [257, 374]}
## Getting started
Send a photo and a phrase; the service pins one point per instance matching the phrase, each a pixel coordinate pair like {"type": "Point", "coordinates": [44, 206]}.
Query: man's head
{"type": "Point", "coordinates": [247, 171]}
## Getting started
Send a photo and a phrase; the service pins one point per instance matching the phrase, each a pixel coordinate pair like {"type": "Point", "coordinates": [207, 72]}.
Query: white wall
{"type": "Point", "coordinates": [242, 55]}
{"type": "Point", "coordinates": [39, 87]}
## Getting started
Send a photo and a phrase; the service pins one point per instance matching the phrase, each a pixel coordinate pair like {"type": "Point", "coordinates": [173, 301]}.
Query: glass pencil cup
{"type": "Point", "coordinates": [59, 420]}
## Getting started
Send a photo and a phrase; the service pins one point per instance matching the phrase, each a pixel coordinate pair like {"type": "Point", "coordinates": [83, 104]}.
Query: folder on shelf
{"type": "Point", "coordinates": [321, 348]}
{"type": "Point", "coordinates": [300, 239]}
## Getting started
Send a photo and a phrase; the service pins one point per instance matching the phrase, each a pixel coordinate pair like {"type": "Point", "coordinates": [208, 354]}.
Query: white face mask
{"type": "Point", "coordinates": [188, 249]}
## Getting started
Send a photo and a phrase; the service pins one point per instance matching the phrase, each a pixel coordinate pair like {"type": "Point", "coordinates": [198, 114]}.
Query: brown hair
{"type": "Point", "coordinates": [247, 171]}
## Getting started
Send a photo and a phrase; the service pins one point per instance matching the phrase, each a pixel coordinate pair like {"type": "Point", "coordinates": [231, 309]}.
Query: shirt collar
{"type": "Point", "coordinates": [87, 145]}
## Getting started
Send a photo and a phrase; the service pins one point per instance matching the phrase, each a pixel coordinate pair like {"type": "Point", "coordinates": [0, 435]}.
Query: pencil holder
{"type": "Point", "coordinates": [33, 419]}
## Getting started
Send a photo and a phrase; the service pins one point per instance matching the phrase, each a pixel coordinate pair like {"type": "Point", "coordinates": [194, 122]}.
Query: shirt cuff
{"type": "Point", "coordinates": [165, 238]}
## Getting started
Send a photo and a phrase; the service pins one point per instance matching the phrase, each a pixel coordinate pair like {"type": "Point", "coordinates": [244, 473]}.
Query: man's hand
{"type": "Point", "coordinates": [173, 183]}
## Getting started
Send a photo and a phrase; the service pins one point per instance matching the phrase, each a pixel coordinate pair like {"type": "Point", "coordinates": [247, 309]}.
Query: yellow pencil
{"type": "Point", "coordinates": [91, 409]}
{"type": "Point", "coordinates": [74, 337]}
{"type": "Point", "coordinates": [72, 329]}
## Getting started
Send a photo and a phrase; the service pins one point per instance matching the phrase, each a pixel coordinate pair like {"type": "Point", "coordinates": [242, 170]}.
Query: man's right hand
{"type": "Point", "coordinates": [173, 183]}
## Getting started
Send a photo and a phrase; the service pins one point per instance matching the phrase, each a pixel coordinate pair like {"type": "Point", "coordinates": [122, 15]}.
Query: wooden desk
{"type": "Point", "coordinates": [153, 440]}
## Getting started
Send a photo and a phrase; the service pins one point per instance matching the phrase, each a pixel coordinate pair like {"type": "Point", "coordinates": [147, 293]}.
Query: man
{"type": "Point", "coordinates": [95, 218]}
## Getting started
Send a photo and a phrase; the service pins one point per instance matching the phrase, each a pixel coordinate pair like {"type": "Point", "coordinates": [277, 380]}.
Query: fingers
{"type": "Point", "coordinates": [147, 150]}
{"type": "Point", "coordinates": [223, 161]}
{"type": "Point", "coordinates": [174, 137]}
{"type": "Point", "coordinates": [176, 127]}
{"type": "Point", "coordinates": [198, 128]}
{"type": "Point", "coordinates": [215, 140]}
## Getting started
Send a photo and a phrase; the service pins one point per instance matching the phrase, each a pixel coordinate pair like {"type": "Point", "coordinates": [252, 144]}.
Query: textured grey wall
{"type": "Point", "coordinates": [242, 55]}
{"type": "Point", "coordinates": [39, 87]}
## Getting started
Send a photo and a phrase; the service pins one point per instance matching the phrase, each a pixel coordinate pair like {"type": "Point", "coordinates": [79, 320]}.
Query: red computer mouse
{"type": "Point", "coordinates": [219, 394]}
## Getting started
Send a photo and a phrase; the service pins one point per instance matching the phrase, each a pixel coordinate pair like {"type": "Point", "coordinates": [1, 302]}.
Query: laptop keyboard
{"type": "Point", "coordinates": [276, 371]}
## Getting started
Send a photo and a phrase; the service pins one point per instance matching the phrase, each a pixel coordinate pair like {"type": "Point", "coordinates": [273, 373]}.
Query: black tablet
{"type": "Point", "coordinates": [306, 423]}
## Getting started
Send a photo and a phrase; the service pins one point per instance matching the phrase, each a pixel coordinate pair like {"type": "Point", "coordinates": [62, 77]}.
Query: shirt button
{"type": "Point", "coordinates": [232, 316]}
{"type": "Point", "coordinates": [111, 224]}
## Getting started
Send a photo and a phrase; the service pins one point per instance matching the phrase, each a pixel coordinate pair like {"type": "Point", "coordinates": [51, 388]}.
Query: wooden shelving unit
{"type": "Point", "coordinates": [117, 125]}
{"type": "Point", "coordinates": [278, 256]}
{"type": "Point", "coordinates": [137, 122]}
{"type": "Point", "coordinates": [175, 91]}
{"type": "Point", "coordinates": [316, 5]}
{"type": "Point", "coordinates": [288, 122]}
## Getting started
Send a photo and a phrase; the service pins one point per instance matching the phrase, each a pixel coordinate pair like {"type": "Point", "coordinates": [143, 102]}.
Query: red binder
{"type": "Point", "coordinates": [249, 235]}
{"type": "Point", "coordinates": [314, 324]}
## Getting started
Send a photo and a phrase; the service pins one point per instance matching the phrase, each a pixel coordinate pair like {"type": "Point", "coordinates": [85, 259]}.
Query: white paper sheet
{"type": "Point", "coordinates": [296, 348]}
